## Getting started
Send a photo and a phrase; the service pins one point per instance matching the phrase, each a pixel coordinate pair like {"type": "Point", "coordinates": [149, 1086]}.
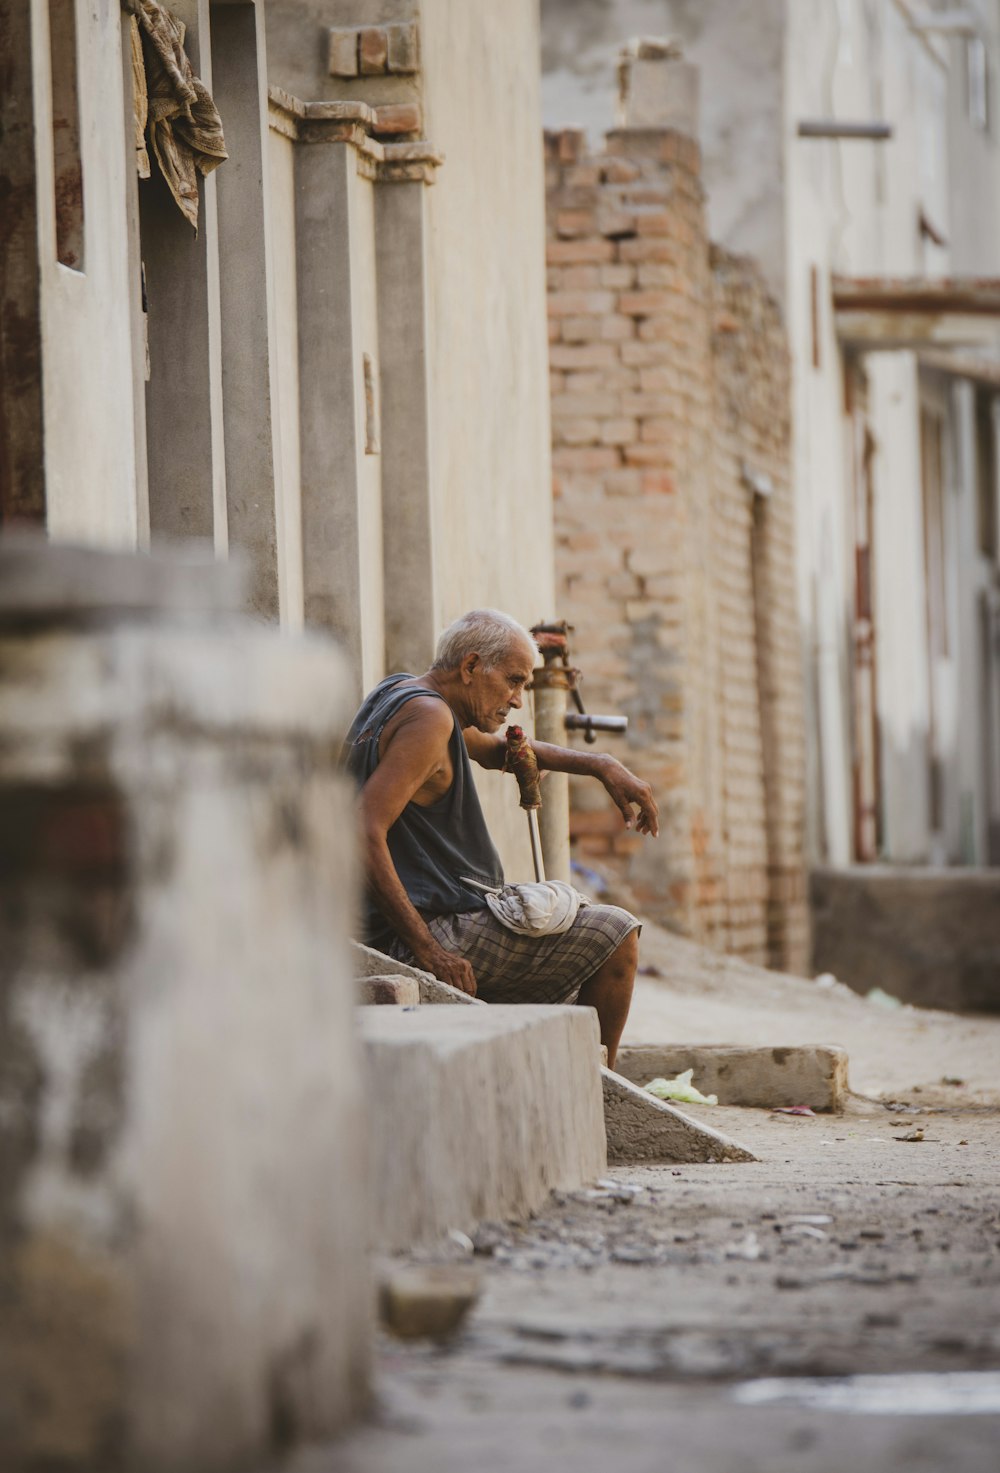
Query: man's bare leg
{"type": "Point", "coordinates": [609, 990]}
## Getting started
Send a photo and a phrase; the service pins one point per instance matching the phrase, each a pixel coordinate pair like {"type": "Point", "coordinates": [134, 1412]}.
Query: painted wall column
{"type": "Point", "coordinates": [240, 90]}
{"type": "Point", "coordinates": [407, 474]}
{"type": "Point", "coordinates": [338, 412]}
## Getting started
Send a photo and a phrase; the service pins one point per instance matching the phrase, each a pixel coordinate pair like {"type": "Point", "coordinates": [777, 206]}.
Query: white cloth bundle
{"type": "Point", "coordinates": [543, 908]}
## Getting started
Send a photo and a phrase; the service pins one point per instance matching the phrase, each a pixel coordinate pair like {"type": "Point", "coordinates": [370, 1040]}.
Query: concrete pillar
{"type": "Point", "coordinates": [239, 76]}
{"type": "Point", "coordinates": [184, 419]}
{"type": "Point", "coordinates": [182, 1213]}
{"type": "Point", "coordinates": [340, 461]}
{"type": "Point", "coordinates": [407, 475]}
{"type": "Point", "coordinates": [22, 457]}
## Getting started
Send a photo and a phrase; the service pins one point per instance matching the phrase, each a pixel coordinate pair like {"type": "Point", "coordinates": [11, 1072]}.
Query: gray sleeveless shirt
{"type": "Point", "coordinates": [432, 847]}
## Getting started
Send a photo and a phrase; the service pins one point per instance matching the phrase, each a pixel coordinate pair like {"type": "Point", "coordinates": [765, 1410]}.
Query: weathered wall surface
{"type": "Point", "coordinates": [737, 46]}
{"type": "Point", "coordinates": [930, 937]}
{"type": "Point", "coordinates": [87, 363]}
{"type": "Point", "coordinates": [670, 404]}
{"type": "Point", "coordinates": [752, 566]}
{"type": "Point", "coordinates": [181, 1288]}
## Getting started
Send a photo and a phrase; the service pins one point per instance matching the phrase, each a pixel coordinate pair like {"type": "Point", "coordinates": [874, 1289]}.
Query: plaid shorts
{"type": "Point", "coordinates": [514, 968]}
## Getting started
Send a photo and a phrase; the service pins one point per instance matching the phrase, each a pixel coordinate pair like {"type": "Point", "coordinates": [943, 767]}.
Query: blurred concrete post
{"type": "Point", "coordinates": [183, 1203]}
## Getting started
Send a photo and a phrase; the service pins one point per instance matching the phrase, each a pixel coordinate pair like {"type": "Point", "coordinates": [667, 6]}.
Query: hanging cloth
{"type": "Point", "coordinates": [184, 126]}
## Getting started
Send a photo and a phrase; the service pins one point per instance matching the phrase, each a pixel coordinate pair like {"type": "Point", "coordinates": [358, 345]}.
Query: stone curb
{"type": "Point", "coordinates": [762, 1078]}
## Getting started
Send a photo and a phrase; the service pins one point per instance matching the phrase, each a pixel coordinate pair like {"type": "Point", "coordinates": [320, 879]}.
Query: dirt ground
{"type": "Point", "coordinates": [687, 1319]}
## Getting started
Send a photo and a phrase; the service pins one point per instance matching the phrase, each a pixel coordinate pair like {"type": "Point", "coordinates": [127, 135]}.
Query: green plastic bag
{"type": "Point", "coordinates": [680, 1088]}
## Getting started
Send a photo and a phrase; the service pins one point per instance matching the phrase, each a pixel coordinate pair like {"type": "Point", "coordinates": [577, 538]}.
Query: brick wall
{"type": "Point", "coordinates": [669, 405]}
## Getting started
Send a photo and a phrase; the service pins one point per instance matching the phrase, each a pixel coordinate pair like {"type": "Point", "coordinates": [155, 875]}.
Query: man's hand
{"type": "Point", "coordinates": [446, 966]}
{"type": "Point", "coordinates": [629, 793]}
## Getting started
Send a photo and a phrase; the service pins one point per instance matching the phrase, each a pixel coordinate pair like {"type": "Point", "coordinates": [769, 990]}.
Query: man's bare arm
{"type": "Point", "coordinates": [414, 753]}
{"type": "Point", "coordinates": [633, 797]}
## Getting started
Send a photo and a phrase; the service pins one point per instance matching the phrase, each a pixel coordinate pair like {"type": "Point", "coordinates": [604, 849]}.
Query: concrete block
{"type": "Point", "coordinates": [373, 51]}
{"type": "Point", "coordinates": [477, 1115]}
{"type": "Point", "coordinates": [642, 1128]}
{"type": "Point", "coordinates": [427, 1301]}
{"type": "Point", "coordinates": [394, 991]}
{"type": "Point", "coordinates": [368, 962]}
{"type": "Point", "coordinates": [757, 1077]}
{"type": "Point", "coordinates": [404, 47]}
{"type": "Point", "coordinates": [397, 118]}
{"type": "Point", "coordinates": [183, 1208]}
{"type": "Point", "coordinates": [343, 52]}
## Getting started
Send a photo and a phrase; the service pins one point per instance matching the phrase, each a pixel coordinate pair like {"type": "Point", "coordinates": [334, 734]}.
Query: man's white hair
{"type": "Point", "coordinates": [484, 632]}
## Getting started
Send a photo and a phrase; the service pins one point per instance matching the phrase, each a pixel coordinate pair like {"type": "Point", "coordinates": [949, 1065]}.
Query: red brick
{"type": "Point", "coordinates": [581, 329]}
{"type": "Point", "coordinates": [586, 355]}
{"type": "Point", "coordinates": [575, 304]}
{"type": "Point", "coordinates": [586, 458]}
{"type": "Point", "coordinates": [646, 249]}
{"type": "Point", "coordinates": [579, 278]}
{"type": "Point", "coordinates": [646, 304]}
{"type": "Point", "coordinates": [568, 252]}
{"type": "Point", "coordinates": [617, 329]}
{"type": "Point", "coordinates": [373, 50]}
{"type": "Point", "coordinates": [571, 224]}
{"type": "Point", "coordinates": [398, 117]}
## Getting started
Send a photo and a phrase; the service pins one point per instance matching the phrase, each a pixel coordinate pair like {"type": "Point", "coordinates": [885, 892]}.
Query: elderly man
{"type": "Point", "coordinates": [425, 837]}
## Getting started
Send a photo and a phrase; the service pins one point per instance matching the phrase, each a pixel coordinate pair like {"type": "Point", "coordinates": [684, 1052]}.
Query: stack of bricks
{"type": "Point", "coordinates": [653, 353]}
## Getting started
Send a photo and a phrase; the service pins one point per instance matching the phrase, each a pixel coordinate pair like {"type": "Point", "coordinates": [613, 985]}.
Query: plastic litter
{"type": "Point", "coordinates": [680, 1088]}
{"type": "Point", "coordinates": [747, 1248]}
{"type": "Point", "coordinates": [880, 999]}
{"type": "Point", "coordinates": [792, 1110]}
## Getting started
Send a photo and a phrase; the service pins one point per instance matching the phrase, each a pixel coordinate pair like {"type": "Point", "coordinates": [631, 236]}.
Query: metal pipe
{"type": "Point", "coordinates": [536, 842]}
{"type": "Point", "coordinates": [549, 689]}
{"type": "Point", "coordinates": [589, 723]}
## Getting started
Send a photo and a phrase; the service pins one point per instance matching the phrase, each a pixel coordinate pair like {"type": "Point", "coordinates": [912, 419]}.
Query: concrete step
{"type": "Point", "coordinates": [477, 1115]}
{"type": "Point", "coordinates": [641, 1128]}
{"type": "Point", "coordinates": [638, 1127]}
{"type": "Point", "coordinates": [765, 1078]}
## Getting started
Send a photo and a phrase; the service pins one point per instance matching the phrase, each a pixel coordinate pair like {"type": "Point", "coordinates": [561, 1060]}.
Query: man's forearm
{"type": "Point", "coordinates": [567, 759]}
{"type": "Point", "coordinates": [391, 898]}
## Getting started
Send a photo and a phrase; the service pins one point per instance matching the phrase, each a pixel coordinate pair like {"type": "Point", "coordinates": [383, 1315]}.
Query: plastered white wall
{"type": "Point", "coordinates": [87, 383]}
{"type": "Point", "coordinates": [488, 347]}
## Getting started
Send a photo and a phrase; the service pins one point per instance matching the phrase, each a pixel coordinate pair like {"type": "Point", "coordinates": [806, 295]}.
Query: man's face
{"type": "Point", "coordinates": [493, 692]}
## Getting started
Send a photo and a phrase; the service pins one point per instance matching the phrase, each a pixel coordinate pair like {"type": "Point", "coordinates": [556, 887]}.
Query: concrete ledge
{"type": "Point", "coordinates": [477, 1115]}
{"type": "Point", "coordinates": [371, 963]}
{"type": "Point", "coordinates": [642, 1128]}
{"type": "Point", "coordinates": [760, 1077]}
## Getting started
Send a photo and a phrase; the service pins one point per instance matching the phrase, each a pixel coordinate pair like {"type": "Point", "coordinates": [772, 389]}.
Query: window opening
{"type": "Point", "coordinates": [67, 160]}
{"type": "Point", "coordinates": [977, 72]}
{"type": "Point", "coordinates": [986, 475]}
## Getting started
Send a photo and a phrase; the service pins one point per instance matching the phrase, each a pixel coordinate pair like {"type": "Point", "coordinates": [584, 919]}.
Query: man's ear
{"type": "Point", "coordinates": [468, 667]}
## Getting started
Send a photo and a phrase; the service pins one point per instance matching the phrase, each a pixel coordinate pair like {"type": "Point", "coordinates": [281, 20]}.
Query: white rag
{"type": "Point", "coordinates": [545, 908]}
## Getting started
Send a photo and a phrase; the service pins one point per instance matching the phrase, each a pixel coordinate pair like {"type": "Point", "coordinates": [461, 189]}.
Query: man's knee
{"type": "Point", "coordinates": [627, 953]}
